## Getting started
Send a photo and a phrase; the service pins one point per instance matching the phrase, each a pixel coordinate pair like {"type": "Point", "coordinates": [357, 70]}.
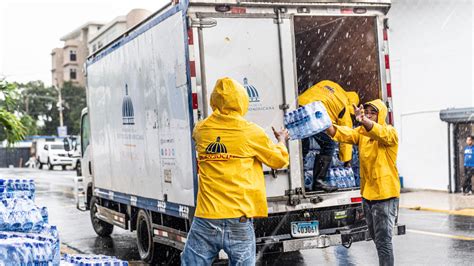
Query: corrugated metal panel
{"type": "Point", "coordinates": [457, 115]}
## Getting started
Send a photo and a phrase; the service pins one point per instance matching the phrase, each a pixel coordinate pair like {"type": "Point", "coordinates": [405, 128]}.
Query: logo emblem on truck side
{"type": "Point", "coordinates": [254, 97]}
{"type": "Point", "coordinates": [128, 115]}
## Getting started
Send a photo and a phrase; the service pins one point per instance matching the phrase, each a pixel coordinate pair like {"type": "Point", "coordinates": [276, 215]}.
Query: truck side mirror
{"type": "Point", "coordinates": [46, 147]}
{"type": "Point", "coordinates": [67, 146]}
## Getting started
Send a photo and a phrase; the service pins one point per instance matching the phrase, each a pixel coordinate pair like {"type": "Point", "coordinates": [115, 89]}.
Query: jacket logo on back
{"type": "Point", "coordinates": [329, 89]}
{"type": "Point", "coordinates": [216, 151]}
{"type": "Point", "coordinates": [128, 115]}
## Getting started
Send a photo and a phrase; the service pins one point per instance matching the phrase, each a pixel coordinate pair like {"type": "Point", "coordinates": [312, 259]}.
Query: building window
{"type": "Point", "coordinates": [72, 55]}
{"type": "Point", "coordinates": [94, 47]}
{"type": "Point", "coordinates": [72, 73]}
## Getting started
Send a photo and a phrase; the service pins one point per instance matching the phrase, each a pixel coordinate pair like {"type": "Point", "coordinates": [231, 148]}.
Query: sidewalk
{"type": "Point", "coordinates": [438, 201]}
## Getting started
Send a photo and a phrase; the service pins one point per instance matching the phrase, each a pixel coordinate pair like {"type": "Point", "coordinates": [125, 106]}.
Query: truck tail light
{"type": "Point", "coordinates": [358, 199]}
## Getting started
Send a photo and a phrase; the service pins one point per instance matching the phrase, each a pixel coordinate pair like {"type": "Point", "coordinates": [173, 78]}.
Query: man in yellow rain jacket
{"type": "Point", "coordinates": [338, 103]}
{"type": "Point", "coordinates": [380, 185]}
{"type": "Point", "coordinates": [231, 193]}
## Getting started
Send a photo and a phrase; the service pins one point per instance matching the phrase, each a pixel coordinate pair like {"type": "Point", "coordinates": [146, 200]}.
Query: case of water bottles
{"type": "Point", "coordinates": [337, 176]}
{"type": "Point", "coordinates": [307, 120]}
{"type": "Point", "coordinates": [26, 238]}
{"type": "Point", "coordinates": [92, 260]}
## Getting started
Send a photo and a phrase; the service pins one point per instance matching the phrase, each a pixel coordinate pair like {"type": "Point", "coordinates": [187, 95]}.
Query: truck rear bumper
{"type": "Point", "coordinates": [285, 243]}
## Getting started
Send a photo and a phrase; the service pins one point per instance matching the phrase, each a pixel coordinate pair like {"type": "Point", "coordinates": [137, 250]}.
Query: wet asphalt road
{"type": "Point", "coordinates": [432, 238]}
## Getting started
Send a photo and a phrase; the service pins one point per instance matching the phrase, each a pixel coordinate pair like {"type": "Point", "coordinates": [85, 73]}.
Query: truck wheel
{"type": "Point", "coordinates": [64, 167]}
{"type": "Point", "coordinates": [100, 227]}
{"type": "Point", "coordinates": [40, 165]}
{"type": "Point", "coordinates": [150, 252]}
{"type": "Point", "coordinates": [78, 168]}
{"type": "Point", "coordinates": [50, 166]}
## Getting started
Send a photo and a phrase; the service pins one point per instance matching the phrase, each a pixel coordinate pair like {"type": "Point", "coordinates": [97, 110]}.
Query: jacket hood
{"type": "Point", "coordinates": [383, 111]}
{"type": "Point", "coordinates": [229, 97]}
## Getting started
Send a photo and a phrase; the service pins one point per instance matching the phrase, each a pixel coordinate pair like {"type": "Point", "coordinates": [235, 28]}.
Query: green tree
{"type": "Point", "coordinates": [11, 127]}
{"type": "Point", "coordinates": [41, 103]}
{"type": "Point", "coordinates": [74, 100]}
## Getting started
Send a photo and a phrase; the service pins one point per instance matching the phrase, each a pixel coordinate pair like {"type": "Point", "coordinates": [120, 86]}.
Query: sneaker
{"type": "Point", "coordinates": [469, 193]}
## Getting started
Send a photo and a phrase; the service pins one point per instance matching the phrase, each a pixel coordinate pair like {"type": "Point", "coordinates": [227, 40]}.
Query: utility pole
{"type": "Point", "coordinates": [60, 107]}
{"type": "Point", "coordinates": [60, 103]}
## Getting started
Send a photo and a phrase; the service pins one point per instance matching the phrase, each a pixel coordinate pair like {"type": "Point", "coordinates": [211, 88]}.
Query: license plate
{"type": "Point", "coordinates": [304, 229]}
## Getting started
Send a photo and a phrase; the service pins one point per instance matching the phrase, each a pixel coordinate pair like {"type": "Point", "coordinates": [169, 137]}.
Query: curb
{"type": "Point", "coordinates": [68, 250]}
{"type": "Point", "coordinates": [463, 212]}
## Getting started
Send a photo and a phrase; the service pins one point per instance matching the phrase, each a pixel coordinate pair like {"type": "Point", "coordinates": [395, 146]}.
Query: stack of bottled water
{"type": "Point", "coordinates": [307, 120]}
{"type": "Point", "coordinates": [341, 177]}
{"type": "Point", "coordinates": [17, 188]}
{"type": "Point", "coordinates": [26, 238]}
{"type": "Point", "coordinates": [92, 260]}
{"type": "Point", "coordinates": [40, 248]}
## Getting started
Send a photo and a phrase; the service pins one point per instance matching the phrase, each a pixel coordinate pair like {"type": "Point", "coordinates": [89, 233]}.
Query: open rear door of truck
{"type": "Point", "coordinates": [257, 52]}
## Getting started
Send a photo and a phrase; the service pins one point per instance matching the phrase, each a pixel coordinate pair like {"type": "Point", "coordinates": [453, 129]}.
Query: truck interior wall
{"type": "Point", "coordinates": [339, 48]}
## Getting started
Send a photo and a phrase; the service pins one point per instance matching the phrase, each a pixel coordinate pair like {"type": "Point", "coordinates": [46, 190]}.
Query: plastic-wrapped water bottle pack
{"type": "Point", "coordinates": [21, 215]}
{"type": "Point", "coordinates": [307, 120]}
{"type": "Point", "coordinates": [92, 260]}
{"type": "Point", "coordinates": [26, 238]}
{"type": "Point", "coordinates": [17, 188]}
{"type": "Point", "coordinates": [40, 248]}
{"type": "Point", "coordinates": [341, 177]}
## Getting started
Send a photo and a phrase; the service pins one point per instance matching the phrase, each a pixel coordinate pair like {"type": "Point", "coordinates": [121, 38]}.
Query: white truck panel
{"type": "Point", "coordinates": [142, 145]}
{"type": "Point", "coordinates": [238, 48]}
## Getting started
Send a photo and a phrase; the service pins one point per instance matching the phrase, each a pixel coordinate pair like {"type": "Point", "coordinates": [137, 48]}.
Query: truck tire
{"type": "Point", "coordinates": [150, 252]}
{"type": "Point", "coordinates": [100, 227]}
{"type": "Point", "coordinates": [40, 165]}
{"type": "Point", "coordinates": [50, 166]}
{"type": "Point", "coordinates": [64, 167]}
{"type": "Point", "coordinates": [78, 168]}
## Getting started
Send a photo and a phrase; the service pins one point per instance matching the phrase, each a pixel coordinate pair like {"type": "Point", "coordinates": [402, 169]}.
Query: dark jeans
{"type": "Point", "coordinates": [468, 173]}
{"type": "Point", "coordinates": [380, 216]}
{"type": "Point", "coordinates": [325, 142]}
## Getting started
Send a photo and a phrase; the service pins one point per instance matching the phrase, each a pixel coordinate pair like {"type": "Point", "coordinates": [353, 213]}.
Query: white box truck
{"type": "Point", "coordinates": [147, 89]}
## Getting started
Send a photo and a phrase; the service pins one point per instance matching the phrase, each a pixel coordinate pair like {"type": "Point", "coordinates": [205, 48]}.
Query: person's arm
{"type": "Point", "coordinates": [343, 134]}
{"type": "Point", "coordinates": [345, 150]}
{"type": "Point", "coordinates": [384, 134]}
{"type": "Point", "coordinates": [274, 155]}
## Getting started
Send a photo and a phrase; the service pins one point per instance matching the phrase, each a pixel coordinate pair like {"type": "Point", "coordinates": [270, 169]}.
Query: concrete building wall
{"type": "Point", "coordinates": [431, 60]}
{"type": "Point", "coordinates": [74, 42]}
{"type": "Point", "coordinates": [57, 67]}
{"type": "Point", "coordinates": [115, 28]}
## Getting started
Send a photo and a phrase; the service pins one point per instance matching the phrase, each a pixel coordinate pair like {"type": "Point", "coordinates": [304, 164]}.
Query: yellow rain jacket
{"type": "Point", "coordinates": [335, 99]}
{"type": "Point", "coordinates": [378, 154]}
{"type": "Point", "coordinates": [231, 151]}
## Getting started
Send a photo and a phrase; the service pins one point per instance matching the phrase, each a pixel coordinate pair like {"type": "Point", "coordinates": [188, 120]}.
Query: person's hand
{"type": "Point", "coordinates": [359, 112]}
{"type": "Point", "coordinates": [281, 135]}
{"type": "Point", "coordinates": [347, 164]}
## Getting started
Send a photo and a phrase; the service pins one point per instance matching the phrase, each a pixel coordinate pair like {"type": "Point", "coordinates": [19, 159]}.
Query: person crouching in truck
{"type": "Point", "coordinates": [379, 184]}
{"type": "Point", "coordinates": [231, 192]}
{"type": "Point", "coordinates": [338, 103]}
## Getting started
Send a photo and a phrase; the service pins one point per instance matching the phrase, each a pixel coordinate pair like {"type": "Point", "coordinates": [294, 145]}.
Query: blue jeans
{"type": "Point", "coordinates": [380, 216]}
{"type": "Point", "coordinates": [208, 236]}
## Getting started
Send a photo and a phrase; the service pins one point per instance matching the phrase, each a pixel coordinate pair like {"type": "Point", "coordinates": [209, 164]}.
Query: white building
{"type": "Point", "coordinates": [431, 56]}
{"type": "Point", "coordinates": [116, 27]}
